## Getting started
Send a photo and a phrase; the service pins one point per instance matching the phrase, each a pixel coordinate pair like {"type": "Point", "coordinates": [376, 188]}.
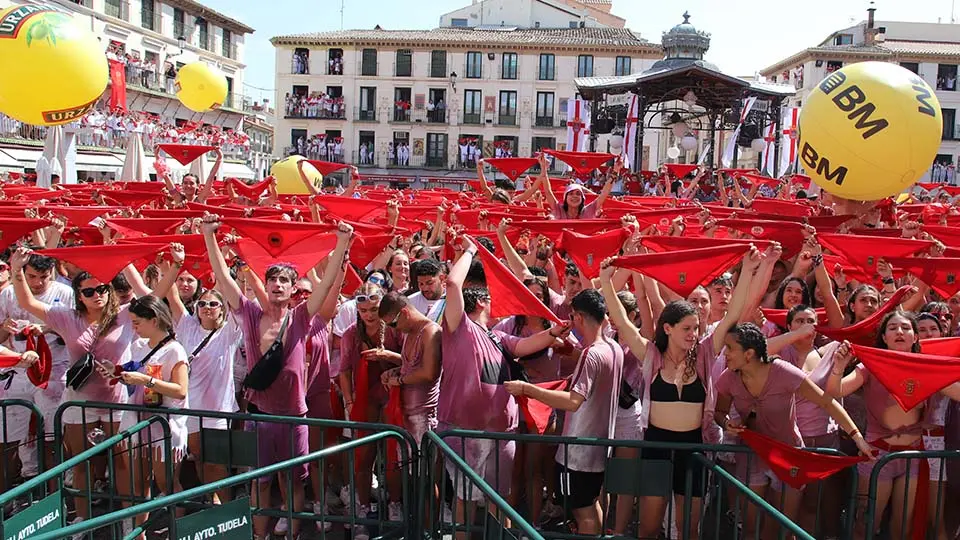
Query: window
{"type": "Point", "coordinates": [227, 46]}
{"type": "Point", "coordinates": [437, 106]}
{"type": "Point", "coordinates": [115, 8]}
{"type": "Point", "coordinates": [368, 63]}
{"type": "Point", "coordinates": [911, 66]}
{"type": "Point", "coordinates": [471, 106]}
{"type": "Point", "coordinates": [833, 65]}
{"type": "Point", "coordinates": [474, 65]}
{"type": "Point", "coordinates": [230, 95]}
{"type": "Point", "coordinates": [843, 39]}
{"type": "Point", "coordinates": [436, 149]}
{"type": "Point", "coordinates": [623, 66]}
{"type": "Point", "coordinates": [368, 103]}
{"type": "Point", "coordinates": [548, 65]}
{"type": "Point", "coordinates": [298, 139]}
{"type": "Point", "coordinates": [947, 77]}
{"type": "Point", "coordinates": [401, 104]}
{"type": "Point", "coordinates": [585, 65]}
{"type": "Point", "coordinates": [300, 61]}
{"type": "Point", "coordinates": [148, 15]}
{"type": "Point", "coordinates": [368, 148]}
{"type": "Point", "coordinates": [335, 62]}
{"type": "Point", "coordinates": [438, 63]}
{"type": "Point", "coordinates": [508, 66]}
{"type": "Point", "coordinates": [544, 117]}
{"type": "Point", "coordinates": [949, 124]}
{"type": "Point", "coordinates": [459, 23]}
{"type": "Point", "coordinates": [179, 24]}
{"type": "Point", "coordinates": [204, 34]}
{"type": "Point", "coordinates": [404, 67]}
{"type": "Point", "coordinates": [508, 108]}
{"type": "Point", "coordinates": [540, 143]}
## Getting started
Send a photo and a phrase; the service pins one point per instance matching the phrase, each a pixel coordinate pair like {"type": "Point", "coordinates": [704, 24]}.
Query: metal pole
{"type": "Point", "coordinates": [778, 135]}
{"type": "Point", "coordinates": [638, 147]}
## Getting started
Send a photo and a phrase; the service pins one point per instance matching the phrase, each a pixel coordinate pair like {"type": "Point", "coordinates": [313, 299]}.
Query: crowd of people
{"type": "Point", "coordinates": [314, 105]}
{"type": "Point", "coordinates": [320, 146]}
{"type": "Point", "coordinates": [699, 312]}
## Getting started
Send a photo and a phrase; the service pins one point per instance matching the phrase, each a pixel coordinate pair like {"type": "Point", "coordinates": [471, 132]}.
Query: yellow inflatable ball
{"type": "Point", "coordinates": [200, 87]}
{"type": "Point", "coordinates": [869, 130]}
{"type": "Point", "coordinates": [288, 177]}
{"type": "Point", "coordinates": [52, 70]}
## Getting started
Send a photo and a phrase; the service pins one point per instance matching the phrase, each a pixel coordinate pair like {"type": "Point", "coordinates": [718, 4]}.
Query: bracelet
{"type": "Point", "coordinates": [472, 253]}
{"type": "Point", "coordinates": [854, 433]}
{"type": "Point", "coordinates": [817, 260]}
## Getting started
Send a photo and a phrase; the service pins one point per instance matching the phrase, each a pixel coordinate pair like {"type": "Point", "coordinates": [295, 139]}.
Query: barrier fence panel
{"type": "Point", "coordinates": [48, 513]}
{"type": "Point", "coordinates": [224, 444]}
{"type": "Point", "coordinates": [20, 448]}
{"type": "Point", "coordinates": [899, 497]}
{"type": "Point", "coordinates": [634, 470]}
{"type": "Point", "coordinates": [233, 516]}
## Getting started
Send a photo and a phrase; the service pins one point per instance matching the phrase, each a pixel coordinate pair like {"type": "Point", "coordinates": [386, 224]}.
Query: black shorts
{"type": "Point", "coordinates": [577, 489]}
{"type": "Point", "coordinates": [681, 459]}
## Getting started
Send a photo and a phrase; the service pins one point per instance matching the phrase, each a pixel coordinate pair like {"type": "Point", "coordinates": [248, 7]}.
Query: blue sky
{"type": "Point", "coordinates": [747, 35]}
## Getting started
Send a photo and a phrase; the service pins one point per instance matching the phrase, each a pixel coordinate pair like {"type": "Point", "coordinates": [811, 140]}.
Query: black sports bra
{"type": "Point", "coordinates": [693, 392]}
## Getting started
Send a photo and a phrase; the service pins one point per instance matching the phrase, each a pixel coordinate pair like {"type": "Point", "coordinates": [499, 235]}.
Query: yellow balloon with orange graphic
{"type": "Point", "coordinates": [52, 69]}
{"type": "Point", "coordinates": [288, 177]}
{"type": "Point", "coordinates": [200, 87]}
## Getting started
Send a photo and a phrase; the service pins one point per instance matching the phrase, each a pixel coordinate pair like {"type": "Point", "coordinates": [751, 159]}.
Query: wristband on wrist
{"type": "Point", "coordinates": [888, 281]}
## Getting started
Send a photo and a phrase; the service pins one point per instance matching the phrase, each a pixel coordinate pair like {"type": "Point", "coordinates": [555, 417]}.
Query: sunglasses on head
{"type": "Point", "coordinates": [212, 304]}
{"type": "Point", "coordinates": [88, 292]}
{"type": "Point", "coordinates": [364, 298]}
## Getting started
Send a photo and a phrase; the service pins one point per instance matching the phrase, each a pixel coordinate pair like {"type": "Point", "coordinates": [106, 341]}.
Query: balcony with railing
{"type": "Point", "coordinates": [365, 158]}
{"type": "Point", "coordinates": [401, 114]}
{"type": "Point", "coordinates": [364, 115]}
{"type": "Point", "coordinates": [118, 9]}
{"type": "Point", "coordinates": [403, 160]}
{"type": "Point", "coordinates": [431, 116]}
{"type": "Point", "coordinates": [300, 64]}
{"type": "Point", "coordinates": [508, 118]}
{"type": "Point", "coordinates": [438, 160]}
{"type": "Point", "coordinates": [474, 118]}
{"type": "Point", "coordinates": [548, 119]}
{"type": "Point", "coordinates": [315, 109]}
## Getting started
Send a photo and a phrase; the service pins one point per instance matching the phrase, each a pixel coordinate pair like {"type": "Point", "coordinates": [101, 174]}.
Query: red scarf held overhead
{"type": "Point", "coordinates": [947, 346]}
{"type": "Point", "coordinates": [251, 192]}
{"type": "Point", "coordinates": [828, 223]}
{"type": "Point", "coordinates": [185, 154]}
{"type": "Point", "coordinates": [661, 217]}
{"type": "Point", "coordinates": [302, 256]}
{"type": "Point", "coordinates": [81, 215]}
{"type": "Point", "coordinates": [104, 262]}
{"type": "Point", "coordinates": [553, 228]}
{"type": "Point", "coordinates": [939, 273]}
{"type": "Point", "coordinates": [13, 229]}
{"type": "Point", "coordinates": [508, 295]}
{"type": "Point", "coordinates": [581, 162]}
{"type": "Point", "coordinates": [865, 331]}
{"type": "Point", "coordinates": [794, 466]}
{"type": "Point", "coordinates": [146, 226]}
{"type": "Point", "coordinates": [779, 316]}
{"type": "Point", "coordinates": [276, 236]}
{"type": "Point", "coordinates": [679, 170]}
{"type": "Point", "coordinates": [513, 167]}
{"type": "Point", "coordinates": [662, 244]}
{"type": "Point", "coordinates": [683, 271]}
{"type": "Point", "coordinates": [588, 252]}
{"type": "Point", "coordinates": [788, 233]}
{"type": "Point", "coordinates": [779, 206]}
{"type": "Point", "coordinates": [865, 251]}
{"type": "Point", "coordinates": [326, 167]}
{"type": "Point", "coordinates": [350, 208]}
{"type": "Point", "coordinates": [910, 378]}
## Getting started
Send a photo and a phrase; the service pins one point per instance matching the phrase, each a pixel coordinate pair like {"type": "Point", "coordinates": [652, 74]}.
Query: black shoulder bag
{"type": "Point", "coordinates": [269, 366]}
{"type": "Point", "coordinates": [507, 370]}
{"type": "Point", "coordinates": [80, 371]}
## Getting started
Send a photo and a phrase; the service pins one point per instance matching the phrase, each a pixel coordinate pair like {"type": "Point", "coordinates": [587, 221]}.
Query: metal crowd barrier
{"type": "Point", "coordinates": [11, 449]}
{"type": "Point", "coordinates": [718, 518]}
{"type": "Point", "coordinates": [937, 488]}
{"type": "Point", "coordinates": [236, 449]}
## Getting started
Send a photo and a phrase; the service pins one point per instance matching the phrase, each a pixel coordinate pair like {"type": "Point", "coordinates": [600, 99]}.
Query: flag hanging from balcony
{"type": "Point", "coordinates": [788, 144]}
{"type": "Point", "coordinates": [578, 125]}
{"type": "Point", "coordinates": [630, 136]}
{"type": "Point", "coordinates": [730, 149]}
{"type": "Point", "coordinates": [118, 86]}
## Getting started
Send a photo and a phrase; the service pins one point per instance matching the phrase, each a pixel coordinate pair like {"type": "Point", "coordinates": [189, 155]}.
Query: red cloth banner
{"type": "Point", "coordinates": [118, 86]}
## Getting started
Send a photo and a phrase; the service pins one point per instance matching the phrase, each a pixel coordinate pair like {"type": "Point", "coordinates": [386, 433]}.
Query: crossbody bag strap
{"type": "Point", "coordinates": [203, 344]}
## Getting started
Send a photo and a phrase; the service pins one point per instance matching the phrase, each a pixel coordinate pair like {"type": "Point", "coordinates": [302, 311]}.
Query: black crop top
{"type": "Point", "coordinates": [661, 390]}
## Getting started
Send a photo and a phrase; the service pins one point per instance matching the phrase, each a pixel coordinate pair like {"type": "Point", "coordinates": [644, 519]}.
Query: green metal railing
{"type": "Point", "coordinates": [723, 476]}
{"type": "Point", "coordinates": [170, 501]}
{"type": "Point", "coordinates": [6, 477]}
{"type": "Point", "coordinates": [909, 456]}
{"type": "Point", "coordinates": [435, 446]}
{"type": "Point", "coordinates": [238, 450]}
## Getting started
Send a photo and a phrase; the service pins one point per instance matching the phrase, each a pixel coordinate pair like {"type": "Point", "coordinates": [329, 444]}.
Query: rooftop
{"type": "Point", "coordinates": [618, 38]}
{"type": "Point", "coordinates": [196, 8]}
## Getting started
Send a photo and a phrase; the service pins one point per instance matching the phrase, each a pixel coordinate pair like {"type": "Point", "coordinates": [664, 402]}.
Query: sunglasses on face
{"type": "Point", "coordinates": [375, 279]}
{"type": "Point", "coordinates": [212, 304]}
{"type": "Point", "coordinates": [364, 298]}
{"type": "Point", "coordinates": [88, 292]}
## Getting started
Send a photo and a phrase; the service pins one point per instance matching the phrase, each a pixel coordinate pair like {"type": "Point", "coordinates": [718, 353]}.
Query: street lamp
{"type": "Point", "coordinates": [453, 80]}
{"type": "Point", "coordinates": [181, 42]}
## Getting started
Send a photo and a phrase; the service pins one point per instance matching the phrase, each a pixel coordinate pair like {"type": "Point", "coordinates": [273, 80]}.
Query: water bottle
{"type": "Point", "coordinates": [96, 436]}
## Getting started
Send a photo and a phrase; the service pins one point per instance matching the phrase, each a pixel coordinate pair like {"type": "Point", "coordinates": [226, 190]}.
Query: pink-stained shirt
{"type": "Point", "coordinates": [318, 345]}
{"type": "Point", "coordinates": [775, 407]}
{"type": "Point", "coordinates": [418, 399]}
{"type": "Point", "coordinates": [81, 337]}
{"type": "Point", "coordinates": [877, 399]}
{"type": "Point", "coordinates": [597, 379]}
{"type": "Point", "coordinates": [541, 367]}
{"type": "Point", "coordinates": [706, 357]}
{"type": "Point", "coordinates": [286, 396]}
{"type": "Point", "coordinates": [470, 397]}
{"type": "Point", "coordinates": [812, 420]}
{"type": "Point", "coordinates": [350, 349]}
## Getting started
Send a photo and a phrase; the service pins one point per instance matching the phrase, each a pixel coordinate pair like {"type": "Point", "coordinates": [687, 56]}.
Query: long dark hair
{"type": "Point", "coordinates": [778, 302]}
{"type": "Point", "coordinates": [108, 317]}
{"type": "Point", "coordinates": [672, 314]}
{"type": "Point", "coordinates": [882, 329]}
{"type": "Point", "coordinates": [853, 299]}
{"type": "Point", "coordinates": [520, 321]}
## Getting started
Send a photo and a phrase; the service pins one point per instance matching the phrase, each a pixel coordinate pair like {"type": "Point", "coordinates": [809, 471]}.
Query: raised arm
{"type": "Point", "coordinates": [484, 186]}
{"type": "Point", "coordinates": [25, 298]}
{"type": "Point", "coordinates": [834, 312]}
{"type": "Point", "coordinates": [306, 181]}
{"type": "Point", "coordinates": [453, 311]}
{"type": "Point", "coordinates": [514, 261]}
{"type": "Point", "coordinates": [541, 340]}
{"type": "Point", "coordinates": [530, 191]}
{"type": "Point", "coordinates": [231, 291]}
{"type": "Point", "coordinates": [625, 327]}
{"type": "Point", "coordinates": [337, 260]}
{"type": "Point", "coordinates": [544, 181]}
{"type": "Point", "coordinates": [838, 384]}
{"type": "Point", "coordinates": [207, 188]}
{"type": "Point", "coordinates": [751, 262]}
{"type": "Point", "coordinates": [354, 182]}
